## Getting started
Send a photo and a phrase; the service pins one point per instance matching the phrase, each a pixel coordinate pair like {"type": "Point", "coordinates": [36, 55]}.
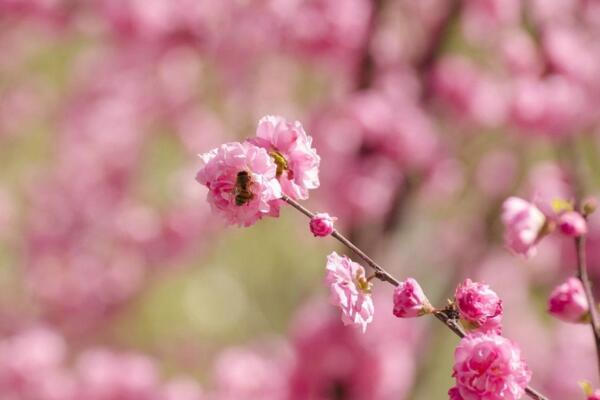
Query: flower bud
{"type": "Point", "coordinates": [410, 301]}
{"type": "Point", "coordinates": [568, 302]}
{"type": "Point", "coordinates": [571, 223]}
{"type": "Point", "coordinates": [479, 306]}
{"type": "Point", "coordinates": [322, 224]}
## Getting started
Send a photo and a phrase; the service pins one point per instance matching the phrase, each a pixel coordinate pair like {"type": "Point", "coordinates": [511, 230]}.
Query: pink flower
{"type": "Point", "coordinates": [410, 301]}
{"type": "Point", "coordinates": [571, 223]}
{"type": "Point", "coordinates": [454, 394]}
{"type": "Point", "coordinates": [523, 222]}
{"type": "Point", "coordinates": [568, 302]}
{"type": "Point", "coordinates": [322, 224]}
{"type": "Point", "coordinates": [350, 290]}
{"type": "Point", "coordinates": [489, 367]}
{"type": "Point", "coordinates": [241, 204]}
{"type": "Point", "coordinates": [479, 305]}
{"type": "Point", "coordinates": [291, 149]}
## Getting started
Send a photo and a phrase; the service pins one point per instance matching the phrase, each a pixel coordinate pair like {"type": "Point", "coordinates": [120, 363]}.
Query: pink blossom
{"type": "Point", "coordinates": [219, 172]}
{"type": "Point", "coordinates": [489, 367]}
{"type": "Point", "coordinates": [454, 394]}
{"type": "Point", "coordinates": [571, 223]}
{"type": "Point", "coordinates": [523, 223]}
{"type": "Point", "coordinates": [291, 149]}
{"type": "Point", "coordinates": [322, 224]}
{"type": "Point", "coordinates": [568, 302]}
{"type": "Point", "coordinates": [409, 300]}
{"type": "Point", "coordinates": [350, 290]}
{"type": "Point", "coordinates": [479, 305]}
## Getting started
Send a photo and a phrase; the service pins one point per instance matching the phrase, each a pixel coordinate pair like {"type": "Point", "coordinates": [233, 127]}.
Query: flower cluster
{"type": "Point", "coordinates": [246, 181]}
{"type": "Point", "coordinates": [527, 223]}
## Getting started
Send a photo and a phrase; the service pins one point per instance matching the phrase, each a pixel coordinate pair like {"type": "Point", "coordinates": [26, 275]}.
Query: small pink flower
{"type": "Point", "coordinates": [479, 305]}
{"type": "Point", "coordinates": [489, 367]}
{"type": "Point", "coordinates": [568, 302]}
{"type": "Point", "coordinates": [350, 290]}
{"type": "Point", "coordinates": [322, 224]}
{"type": "Point", "coordinates": [220, 174]}
{"type": "Point", "coordinates": [571, 223]}
{"type": "Point", "coordinates": [410, 301]}
{"type": "Point", "coordinates": [523, 222]}
{"type": "Point", "coordinates": [291, 149]}
{"type": "Point", "coordinates": [454, 394]}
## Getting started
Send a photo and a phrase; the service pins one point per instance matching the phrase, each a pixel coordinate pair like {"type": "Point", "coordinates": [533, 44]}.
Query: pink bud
{"type": "Point", "coordinates": [568, 302]}
{"type": "Point", "coordinates": [479, 305]}
{"type": "Point", "coordinates": [322, 224]}
{"type": "Point", "coordinates": [410, 301]}
{"type": "Point", "coordinates": [523, 224]}
{"type": "Point", "coordinates": [571, 223]}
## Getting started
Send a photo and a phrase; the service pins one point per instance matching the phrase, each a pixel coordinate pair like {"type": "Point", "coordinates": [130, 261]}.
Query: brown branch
{"type": "Point", "coordinates": [582, 274]}
{"type": "Point", "coordinates": [380, 273]}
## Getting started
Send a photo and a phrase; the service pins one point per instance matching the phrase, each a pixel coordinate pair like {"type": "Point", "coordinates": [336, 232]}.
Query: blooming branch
{"type": "Point", "coordinates": [446, 316]}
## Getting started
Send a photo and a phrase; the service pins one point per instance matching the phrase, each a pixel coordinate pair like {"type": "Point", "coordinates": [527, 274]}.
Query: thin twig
{"type": "Point", "coordinates": [383, 275]}
{"type": "Point", "coordinates": [582, 274]}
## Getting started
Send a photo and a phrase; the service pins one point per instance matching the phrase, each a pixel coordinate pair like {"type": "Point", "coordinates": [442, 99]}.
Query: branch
{"type": "Point", "coordinates": [380, 273]}
{"type": "Point", "coordinates": [582, 274]}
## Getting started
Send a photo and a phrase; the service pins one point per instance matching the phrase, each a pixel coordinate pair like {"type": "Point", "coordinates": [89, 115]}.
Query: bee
{"type": "Point", "coordinates": [243, 183]}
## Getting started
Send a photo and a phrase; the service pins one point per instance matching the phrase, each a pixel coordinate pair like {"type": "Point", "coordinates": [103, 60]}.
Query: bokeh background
{"type": "Point", "coordinates": [117, 282]}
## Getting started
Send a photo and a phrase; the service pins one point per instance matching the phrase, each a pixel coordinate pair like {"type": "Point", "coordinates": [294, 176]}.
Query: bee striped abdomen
{"type": "Point", "coordinates": [242, 192]}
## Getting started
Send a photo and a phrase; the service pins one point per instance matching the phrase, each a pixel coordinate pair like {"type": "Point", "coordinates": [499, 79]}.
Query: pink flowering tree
{"type": "Point", "coordinates": [451, 149]}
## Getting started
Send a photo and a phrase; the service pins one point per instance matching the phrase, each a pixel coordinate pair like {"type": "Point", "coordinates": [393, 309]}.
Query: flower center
{"type": "Point", "coordinates": [362, 283]}
{"type": "Point", "coordinates": [282, 164]}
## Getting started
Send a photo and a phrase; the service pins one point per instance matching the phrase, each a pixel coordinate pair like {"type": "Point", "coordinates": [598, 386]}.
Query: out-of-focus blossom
{"type": "Point", "coordinates": [469, 93]}
{"type": "Point", "coordinates": [369, 144]}
{"type": "Point", "coordinates": [520, 54]}
{"type": "Point", "coordinates": [332, 360]}
{"type": "Point", "coordinates": [481, 16]}
{"type": "Point", "coordinates": [489, 367]}
{"type": "Point", "coordinates": [479, 305]}
{"type": "Point", "coordinates": [571, 223]}
{"type": "Point", "coordinates": [324, 28]}
{"type": "Point", "coordinates": [182, 389]}
{"type": "Point", "coordinates": [246, 374]}
{"type": "Point", "coordinates": [105, 375]}
{"type": "Point", "coordinates": [322, 224]}
{"type": "Point", "coordinates": [552, 106]}
{"type": "Point", "coordinates": [31, 366]}
{"type": "Point", "coordinates": [523, 224]}
{"type": "Point", "coordinates": [410, 301]}
{"type": "Point", "coordinates": [568, 301]}
{"type": "Point", "coordinates": [291, 149]}
{"type": "Point", "coordinates": [242, 183]}
{"type": "Point", "coordinates": [350, 290]}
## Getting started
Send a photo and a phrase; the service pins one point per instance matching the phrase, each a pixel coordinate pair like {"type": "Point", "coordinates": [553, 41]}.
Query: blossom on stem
{"type": "Point", "coordinates": [350, 290]}
{"type": "Point", "coordinates": [242, 183]}
{"type": "Point", "coordinates": [571, 223]}
{"type": "Point", "coordinates": [524, 224]}
{"type": "Point", "coordinates": [568, 302]}
{"type": "Point", "coordinates": [489, 367]}
{"type": "Point", "coordinates": [291, 149]}
{"type": "Point", "coordinates": [410, 301]}
{"type": "Point", "coordinates": [479, 306]}
{"type": "Point", "coordinates": [322, 224]}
